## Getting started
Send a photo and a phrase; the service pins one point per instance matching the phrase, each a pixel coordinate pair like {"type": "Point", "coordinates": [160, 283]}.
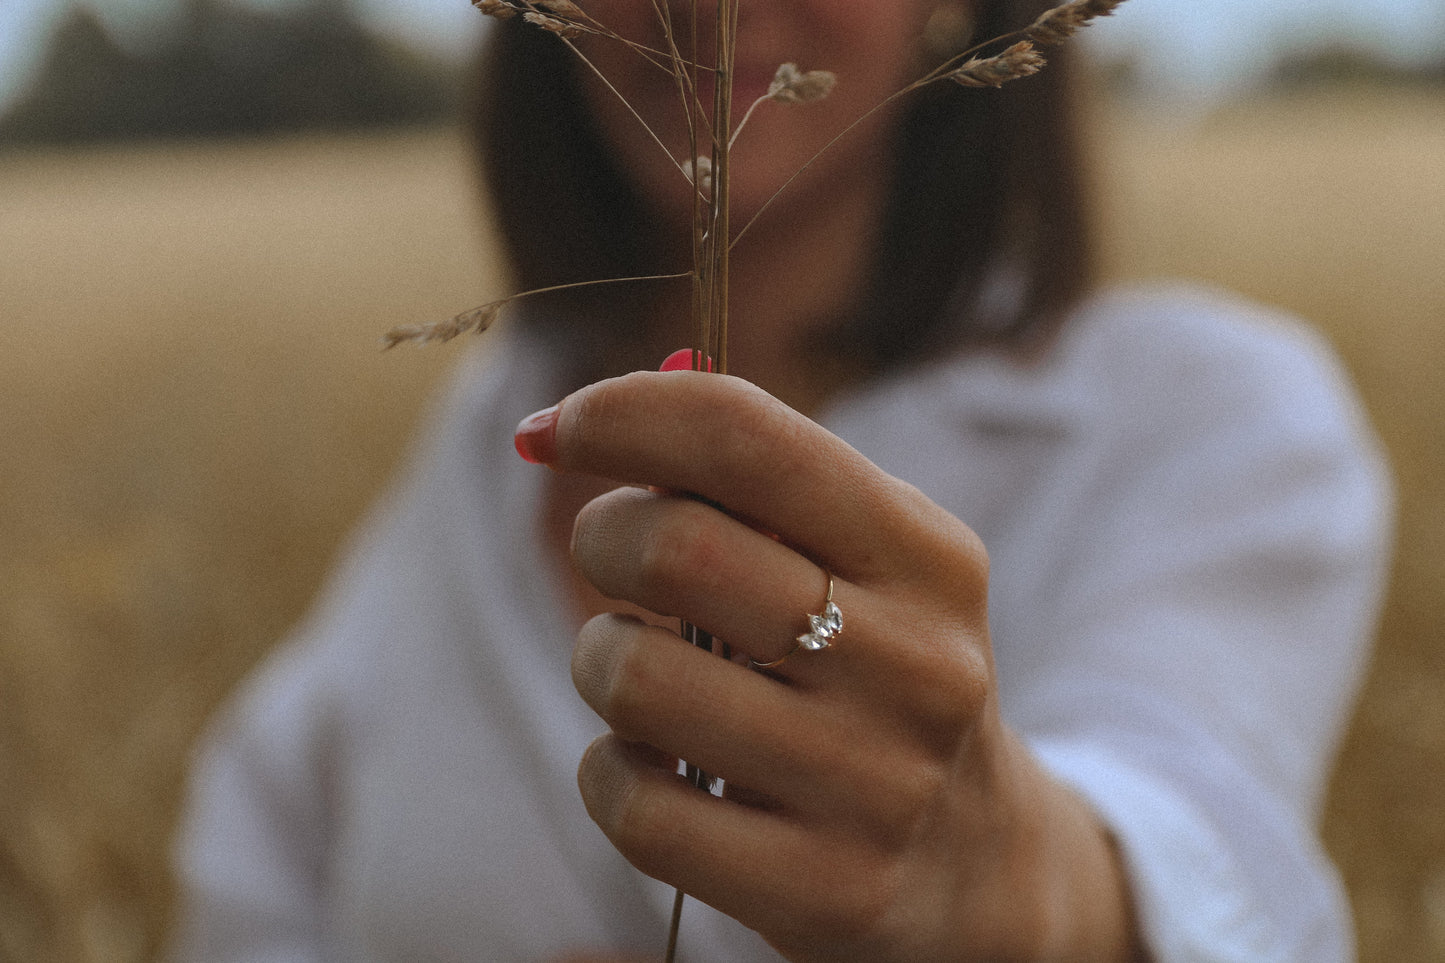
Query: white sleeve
{"type": "Point", "coordinates": [1203, 647]}
{"type": "Point", "coordinates": [251, 851]}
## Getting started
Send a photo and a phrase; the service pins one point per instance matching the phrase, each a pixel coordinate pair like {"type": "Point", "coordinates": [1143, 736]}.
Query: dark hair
{"type": "Point", "coordinates": [984, 239]}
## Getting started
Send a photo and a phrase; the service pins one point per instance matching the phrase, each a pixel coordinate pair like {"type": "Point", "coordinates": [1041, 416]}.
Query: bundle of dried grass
{"type": "Point", "coordinates": [711, 133]}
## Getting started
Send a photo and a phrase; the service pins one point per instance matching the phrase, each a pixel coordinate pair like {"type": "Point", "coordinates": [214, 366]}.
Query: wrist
{"type": "Point", "coordinates": [1071, 897]}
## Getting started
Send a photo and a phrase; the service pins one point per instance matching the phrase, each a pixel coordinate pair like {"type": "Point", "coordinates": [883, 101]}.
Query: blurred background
{"type": "Point", "coordinates": [210, 211]}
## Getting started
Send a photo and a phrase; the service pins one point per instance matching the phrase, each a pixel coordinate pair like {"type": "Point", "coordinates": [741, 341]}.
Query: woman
{"type": "Point", "coordinates": [1104, 565]}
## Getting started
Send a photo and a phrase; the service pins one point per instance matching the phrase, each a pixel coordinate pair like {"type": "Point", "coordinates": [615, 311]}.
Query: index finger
{"type": "Point", "coordinates": [728, 442]}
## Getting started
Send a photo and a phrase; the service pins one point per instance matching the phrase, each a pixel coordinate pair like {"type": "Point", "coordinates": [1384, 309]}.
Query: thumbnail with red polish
{"type": "Point", "coordinates": [536, 437]}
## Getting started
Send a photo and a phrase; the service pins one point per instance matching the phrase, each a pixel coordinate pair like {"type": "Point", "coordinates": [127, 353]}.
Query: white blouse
{"type": "Point", "coordinates": [1188, 521]}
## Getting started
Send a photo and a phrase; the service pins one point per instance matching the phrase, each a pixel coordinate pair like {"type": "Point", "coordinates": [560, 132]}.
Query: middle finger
{"type": "Point", "coordinates": [680, 557]}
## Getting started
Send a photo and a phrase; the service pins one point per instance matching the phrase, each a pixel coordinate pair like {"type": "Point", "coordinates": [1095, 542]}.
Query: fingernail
{"type": "Point", "coordinates": [536, 437]}
{"type": "Point", "coordinates": [682, 360]}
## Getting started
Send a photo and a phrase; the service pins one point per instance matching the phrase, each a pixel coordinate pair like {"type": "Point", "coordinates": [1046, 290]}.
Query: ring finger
{"type": "Point", "coordinates": [680, 557]}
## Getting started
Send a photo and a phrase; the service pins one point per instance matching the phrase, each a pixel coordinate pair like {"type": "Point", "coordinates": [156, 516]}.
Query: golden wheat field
{"type": "Point", "coordinates": [196, 410]}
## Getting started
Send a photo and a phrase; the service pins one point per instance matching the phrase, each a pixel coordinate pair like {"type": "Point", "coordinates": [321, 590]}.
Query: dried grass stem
{"type": "Point", "coordinates": [483, 316]}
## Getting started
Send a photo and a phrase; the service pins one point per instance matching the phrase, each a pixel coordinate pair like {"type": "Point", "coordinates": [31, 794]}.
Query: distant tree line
{"type": "Point", "coordinates": [1342, 65]}
{"type": "Point", "coordinates": [228, 70]}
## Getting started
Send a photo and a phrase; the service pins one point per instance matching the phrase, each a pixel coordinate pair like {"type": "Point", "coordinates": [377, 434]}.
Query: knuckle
{"type": "Point", "coordinates": [684, 545]}
{"type": "Point", "coordinates": [594, 418]}
{"type": "Point", "coordinates": [958, 693]}
{"type": "Point", "coordinates": [639, 830]}
{"type": "Point", "coordinates": [587, 528]}
{"type": "Point", "coordinates": [860, 899]}
{"type": "Point", "coordinates": [582, 413]}
{"type": "Point", "coordinates": [945, 681]}
{"type": "Point", "coordinates": [758, 430]}
{"type": "Point", "coordinates": [628, 829]}
{"type": "Point", "coordinates": [611, 790]}
{"type": "Point", "coordinates": [612, 673]}
{"type": "Point", "coordinates": [632, 678]}
{"type": "Point", "coordinates": [916, 795]}
{"type": "Point", "coordinates": [605, 783]}
{"type": "Point", "coordinates": [964, 559]}
{"type": "Point", "coordinates": [590, 670]}
{"type": "Point", "coordinates": [964, 579]}
{"type": "Point", "coordinates": [973, 553]}
{"type": "Point", "coordinates": [627, 802]}
{"type": "Point", "coordinates": [888, 786]}
{"type": "Point", "coordinates": [661, 560]}
{"type": "Point", "coordinates": [603, 533]}
{"type": "Point", "coordinates": [916, 790]}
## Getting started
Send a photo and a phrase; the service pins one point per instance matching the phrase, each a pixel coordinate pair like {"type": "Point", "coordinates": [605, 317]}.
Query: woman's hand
{"type": "Point", "coordinates": [876, 807]}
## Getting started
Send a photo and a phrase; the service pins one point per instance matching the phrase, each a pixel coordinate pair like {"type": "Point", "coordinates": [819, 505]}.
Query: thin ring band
{"type": "Point", "coordinates": [822, 630]}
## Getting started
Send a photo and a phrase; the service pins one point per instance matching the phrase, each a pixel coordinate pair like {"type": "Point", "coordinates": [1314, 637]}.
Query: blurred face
{"type": "Point", "coordinates": [870, 44]}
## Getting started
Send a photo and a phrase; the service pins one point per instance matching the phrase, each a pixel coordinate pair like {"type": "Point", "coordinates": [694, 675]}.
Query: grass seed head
{"type": "Point", "coordinates": [1020, 60]}
{"type": "Point", "coordinates": [553, 25]}
{"type": "Point", "coordinates": [562, 8]}
{"type": "Point", "coordinates": [1059, 24]}
{"type": "Point", "coordinates": [496, 8]}
{"type": "Point", "coordinates": [699, 171]}
{"type": "Point", "coordinates": [793, 86]}
{"type": "Point", "coordinates": [477, 319]}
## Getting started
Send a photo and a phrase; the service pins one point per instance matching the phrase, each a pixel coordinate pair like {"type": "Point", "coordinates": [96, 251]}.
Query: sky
{"type": "Point", "coordinates": [1187, 50]}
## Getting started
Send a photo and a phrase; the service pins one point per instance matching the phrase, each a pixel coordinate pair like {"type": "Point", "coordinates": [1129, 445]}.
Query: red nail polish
{"type": "Point", "coordinates": [536, 437]}
{"type": "Point", "coordinates": [682, 360]}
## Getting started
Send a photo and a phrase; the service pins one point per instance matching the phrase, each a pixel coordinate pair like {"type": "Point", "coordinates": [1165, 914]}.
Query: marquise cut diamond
{"type": "Point", "coordinates": [812, 641]}
{"type": "Point", "coordinates": [823, 627]}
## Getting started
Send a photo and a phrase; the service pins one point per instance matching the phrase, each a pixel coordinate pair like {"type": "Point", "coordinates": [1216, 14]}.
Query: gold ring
{"type": "Point", "coordinates": [822, 630]}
